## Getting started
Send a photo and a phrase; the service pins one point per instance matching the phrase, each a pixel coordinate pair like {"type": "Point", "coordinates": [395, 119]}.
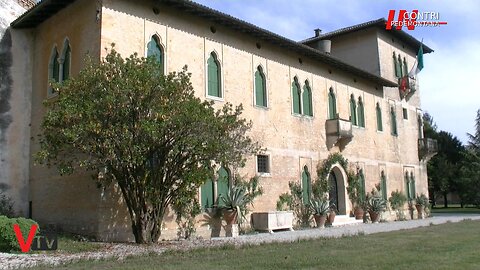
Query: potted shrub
{"type": "Point", "coordinates": [355, 196]}
{"type": "Point", "coordinates": [331, 214]}
{"type": "Point", "coordinates": [397, 202]}
{"type": "Point", "coordinates": [233, 204]}
{"type": "Point", "coordinates": [421, 202]}
{"type": "Point", "coordinates": [376, 205]}
{"type": "Point", "coordinates": [320, 209]}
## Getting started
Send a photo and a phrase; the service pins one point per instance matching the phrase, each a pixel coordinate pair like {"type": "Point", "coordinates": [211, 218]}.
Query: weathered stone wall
{"type": "Point", "coordinates": [292, 141]}
{"type": "Point", "coordinates": [15, 98]}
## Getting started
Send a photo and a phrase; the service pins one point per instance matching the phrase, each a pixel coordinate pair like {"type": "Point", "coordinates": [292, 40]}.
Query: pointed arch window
{"type": "Point", "coordinates": [332, 105]}
{"type": "Point", "coordinates": [383, 185]}
{"type": "Point", "coordinates": [361, 179]}
{"type": "Point", "coordinates": [361, 113]}
{"type": "Point", "coordinates": [214, 77]}
{"type": "Point", "coordinates": [53, 70]}
{"type": "Point", "coordinates": [378, 111]}
{"type": "Point", "coordinates": [353, 110]}
{"type": "Point", "coordinates": [307, 100]}
{"type": "Point", "coordinates": [66, 57]}
{"type": "Point", "coordinates": [260, 88]}
{"type": "Point", "coordinates": [393, 120]}
{"type": "Point", "coordinates": [408, 186]}
{"type": "Point", "coordinates": [412, 185]}
{"type": "Point", "coordinates": [155, 50]}
{"type": "Point", "coordinates": [398, 71]}
{"type": "Point", "coordinates": [296, 96]}
{"type": "Point", "coordinates": [405, 67]}
{"type": "Point", "coordinates": [306, 186]}
{"type": "Point", "coordinates": [223, 183]}
{"type": "Point", "coordinates": [400, 68]}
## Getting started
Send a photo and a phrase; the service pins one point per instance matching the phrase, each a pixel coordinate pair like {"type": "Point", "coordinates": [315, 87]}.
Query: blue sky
{"type": "Point", "coordinates": [449, 83]}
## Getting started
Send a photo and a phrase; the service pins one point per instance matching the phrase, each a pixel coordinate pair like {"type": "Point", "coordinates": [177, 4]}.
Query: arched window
{"type": "Point", "coordinates": [361, 180]}
{"type": "Point", "coordinates": [408, 190]}
{"type": "Point", "coordinates": [361, 113]}
{"type": "Point", "coordinates": [383, 185]}
{"type": "Point", "coordinates": [307, 100]}
{"type": "Point", "coordinates": [400, 69]}
{"type": "Point", "coordinates": [379, 117]}
{"type": "Point", "coordinates": [296, 96]}
{"type": "Point", "coordinates": [223, 184]}
{"type": "Point", "coordinates": [353, 110]}
{"type": "Point", "coordinates": [420, 126]}
{"type": "Point", "coordinates": [412, 185]}
{"type": "Point", "coordinates": [398, 72]}
{"type": "Point", "coordinates": [405, 68]}
{"type": "Point", "coordinates": [214, 77]}
{"type": "Point", "coordinates": [66, 60]}
{"type": "Point", "coordinates": [207, 194]}
{"type": "Point", "coordinates": [393, 120]}
{"type": "Point", "coordinates": [332, 105]}
{"type": "Point", "coordinates": [306, 185]}
{"type": "Point", "coordinates": [260, 88]}
{"type": "Point", "coordinates": [155, 50]}
{"type": "Point", "coordinates": [53, 70]}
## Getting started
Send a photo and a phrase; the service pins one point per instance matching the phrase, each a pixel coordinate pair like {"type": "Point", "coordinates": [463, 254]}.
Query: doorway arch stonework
{"type": "Point", "coordinates": [344, 206]}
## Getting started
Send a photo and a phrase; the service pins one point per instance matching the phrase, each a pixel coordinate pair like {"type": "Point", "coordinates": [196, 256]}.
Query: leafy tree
{"type": "Point", "coordinates": [132, 126]}
{"type": "Point", "coordinates": [443, 168]}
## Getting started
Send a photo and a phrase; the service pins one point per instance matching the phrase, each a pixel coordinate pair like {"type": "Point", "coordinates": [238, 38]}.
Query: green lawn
{"type": "Point", "coordinates": [447, 246]}
{"type": "Point", "coordinates": [456, 209]}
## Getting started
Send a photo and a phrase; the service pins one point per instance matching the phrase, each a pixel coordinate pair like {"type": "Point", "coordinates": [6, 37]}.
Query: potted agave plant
{"type": "Point", "coordinates": [320, 209]}
{"type": "Point", "coordinates": [421, 202]}
{"type": "Point", "coordinates": [233, 205]}
{"type": "Point", "coordinates": [376, 205]}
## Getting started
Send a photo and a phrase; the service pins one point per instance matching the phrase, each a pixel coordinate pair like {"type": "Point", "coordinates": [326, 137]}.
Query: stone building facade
{"type": "Point", "coordinates": [304, 100]}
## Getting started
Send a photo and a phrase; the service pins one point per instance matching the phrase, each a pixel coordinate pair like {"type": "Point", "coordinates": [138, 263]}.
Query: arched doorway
{"type": "Point", "coordinates": [338, 192]}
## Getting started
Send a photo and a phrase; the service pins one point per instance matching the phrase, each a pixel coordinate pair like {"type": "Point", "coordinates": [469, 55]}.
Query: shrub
{"type": "Point", "coordinates": [6, 206]}
{"type": "Point", "coordinates": [8, 239]}
{"type": "Point", "coordinates": [397, 201]}
{"type": "Point", "coordinates": [294, 201]}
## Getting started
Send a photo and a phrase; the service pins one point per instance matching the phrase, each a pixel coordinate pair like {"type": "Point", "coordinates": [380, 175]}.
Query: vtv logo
{"type": "Point", "coordinates": [40, 242]}
{"type": "Point", "coordinates": [408, 19]}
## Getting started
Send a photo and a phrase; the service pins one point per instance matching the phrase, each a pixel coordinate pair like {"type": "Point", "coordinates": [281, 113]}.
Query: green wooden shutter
{"type": "Point", "coordinates": [407, 186]}
{"type": "Point", "coordinates": [206, 194]}
{"type": "Point", "coordinates": [296, 98]}
{"type": "Point", "coordinates": [306, 187]}
{"type": "Point", "coordinates": [260, 89]}
{"type": "Point", "coordinates": [405, 68]}
{"type": "Point", "coordinates": [393, 117]}
{"type": "Point", "coordinates": [213, 77]}
{"type": "Point", "coordinates": [384, 187]}
{"type": "Point", "coordinates": [379, 118]}
{"type": "Point", "coordinates": [56, 68]}
{"type": "Point", "coordinates": [361, 179]}
{"type": "Point", "coordinates": [353, 111]}
{"type": "Point", "coordinates": [361, 114]}
{"type": "Point", "coordinates": [154, 50]}
{"type": "Point", "coordinates": [400, 69]}
{"type": "Point", "coordinates": [332, 105]}
{"type": "Point", "coordinates": [66, 63]}
{"type": "Point", "coordinates": [412, 188]}
{"type": "Point", "coordinates": [222, 184]}
{"type": "Point", "coordinates": [307, 101]}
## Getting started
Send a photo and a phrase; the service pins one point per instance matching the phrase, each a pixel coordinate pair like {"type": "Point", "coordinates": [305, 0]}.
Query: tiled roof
{"type": "Point", "coordinates": [379, 23]}
{"type": "Point", "coordinates": [48, 8]}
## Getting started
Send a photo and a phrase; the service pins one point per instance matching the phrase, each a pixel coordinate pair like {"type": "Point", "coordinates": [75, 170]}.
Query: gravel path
{"type": "Point", "coordinates": [120, 251]}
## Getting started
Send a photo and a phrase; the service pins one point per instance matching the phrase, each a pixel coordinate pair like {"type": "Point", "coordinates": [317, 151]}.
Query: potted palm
{"type": "Point", "coordinates": [421, 202]}
{"type": "Point", "coordinates": [320, 209]}
{"type": "Point", "coordinates": [376, 205]}
{"type": "Point", "coordinates": [234, 204]}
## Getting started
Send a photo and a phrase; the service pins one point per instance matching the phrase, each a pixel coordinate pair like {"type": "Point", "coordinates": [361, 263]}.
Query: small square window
{"type": "Point", "coordinates": [263, 165]}
{"type": "Point", "coordinates": [405, 114]}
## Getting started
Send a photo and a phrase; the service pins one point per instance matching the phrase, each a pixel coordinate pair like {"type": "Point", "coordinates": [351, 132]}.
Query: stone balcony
{"type": "Point", "coordinates": [338, 131]}
{"type": "Point", "coordinates": [427, 148]}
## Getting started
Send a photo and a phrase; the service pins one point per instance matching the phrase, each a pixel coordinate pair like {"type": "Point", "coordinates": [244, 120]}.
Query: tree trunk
{"type": "Point", "coordinates": [445, 202]}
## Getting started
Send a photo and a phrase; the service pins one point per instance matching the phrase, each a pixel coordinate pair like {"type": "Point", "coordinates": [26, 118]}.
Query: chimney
{"type": "Point", "coordinates": [26, 4]}
{"type": "Point", "coordinates": [317, 32]}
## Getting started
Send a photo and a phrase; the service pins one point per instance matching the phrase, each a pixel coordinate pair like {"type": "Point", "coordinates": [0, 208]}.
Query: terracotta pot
{"type": "Point", "coordinates": [358, 213]}
{"type": "Point", "coordinates": [320, 220]}
{"type": "Point", "coordinates": [374, 216]}
{"type": "Point", "coordinates": [331, 217]}
{"type": "Point", "coordinates": [419, 211]}
{"type": "Point", "coordinates": [230, 216]}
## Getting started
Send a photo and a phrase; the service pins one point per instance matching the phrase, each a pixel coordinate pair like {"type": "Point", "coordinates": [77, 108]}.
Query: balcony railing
{"type": "Point", "coordinates": [427, 148]}
{"type": "Point", "coordinates": [338, 129]}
